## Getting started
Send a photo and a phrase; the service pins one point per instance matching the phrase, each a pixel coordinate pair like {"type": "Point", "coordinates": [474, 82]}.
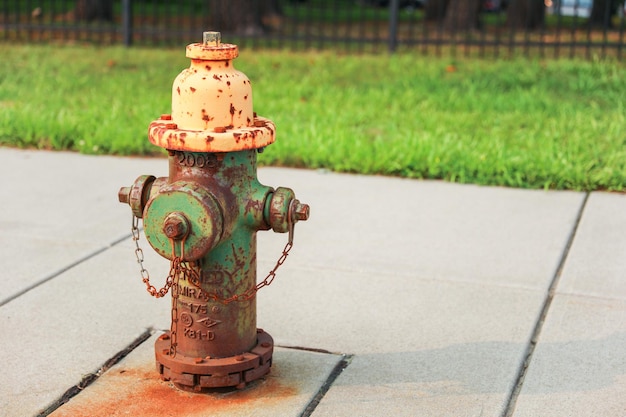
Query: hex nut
{"type": "Point", "coordinates": [176, 226]}
{"type": "Point", "coordinates": [301, 211]}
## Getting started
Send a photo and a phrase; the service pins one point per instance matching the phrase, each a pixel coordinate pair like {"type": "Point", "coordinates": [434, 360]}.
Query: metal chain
{"type": "Point", "coordinates": [170, 282]}
{"type": "Point", "coordinates": [174, 313]}
{"type": "Point", "coordinates": [145, 275]}
{"type": "Point", "coordinates": [178, 267]}
{"type": "Point", "coordinates": [194, 278]}
{"type": "Point", "coordinates": [187, 270]}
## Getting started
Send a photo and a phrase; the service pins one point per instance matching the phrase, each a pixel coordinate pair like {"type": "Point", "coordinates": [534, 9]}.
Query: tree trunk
{"type": "Point", "coordinates": [462, 15]}
{"type": "Point", "coordinates": [245, 17]}
{"type": "Point", "coordinates": [602, 12]}
{"type": "Point", "coordinates": [526, 14]}
{"type": "Point", "coordinates": [435, 10]}
{"type": "Point", "coordinates": [90, 10]}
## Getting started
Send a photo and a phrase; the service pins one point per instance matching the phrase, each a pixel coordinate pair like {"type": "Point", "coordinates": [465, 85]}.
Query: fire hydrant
{"type": "Point", "coordinates": [204, 217]}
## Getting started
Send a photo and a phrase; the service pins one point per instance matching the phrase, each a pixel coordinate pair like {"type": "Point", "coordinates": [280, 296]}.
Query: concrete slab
{"type": "Point", "coordinates": [133, 388]}
{"type": "Point", "coordinates": [27, 261]}
{"type": "Point", "coordinates": [362, 313]}
{"type": "Point", "coordinates": [69, 326]}
{"type": "Point", "coordinates": [426, 229]}
{"type": "Point", "coordinates": [58, 207]}
{"type": "Point", "coordinates": [578, 368]}
{"type": "Point", "coordinates": [440, 382]}
{"type": "Point", "coordinates": [420, 346]}
{"type": "Point", "coordinates": [67, 195]}
{"type": "Point", "coordinates": [596, 264]}
{"type": "Point", "coordinates": [434, 287]}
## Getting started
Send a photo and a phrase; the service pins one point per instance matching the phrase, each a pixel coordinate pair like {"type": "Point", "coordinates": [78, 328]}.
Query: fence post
{"type": "Point", "coordinates": [127, 22]}
{"type": "Point", "coordinates": [394, 6]}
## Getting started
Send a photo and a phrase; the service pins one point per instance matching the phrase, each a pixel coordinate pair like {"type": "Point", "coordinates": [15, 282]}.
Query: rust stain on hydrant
{"type": "Point", "coordinates": [204, 217]}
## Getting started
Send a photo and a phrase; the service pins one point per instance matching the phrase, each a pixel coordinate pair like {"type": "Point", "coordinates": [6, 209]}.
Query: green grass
{"type": "Point", "coordinates": [557, 124]}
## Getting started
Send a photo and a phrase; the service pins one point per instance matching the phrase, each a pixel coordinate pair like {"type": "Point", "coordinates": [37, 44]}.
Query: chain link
{"type": "Point", "coordinates": [145, 275]}
{"type": "Point", "coordinates": [174, 313]}
{"type": "Point", "coordinates": [170, 282]}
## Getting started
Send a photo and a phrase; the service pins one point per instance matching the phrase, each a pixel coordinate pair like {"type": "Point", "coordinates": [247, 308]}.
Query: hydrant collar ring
{"type": "Point", "coordinates": [168, 135]}
{"type": "Point", "coordinates": [221, 52]}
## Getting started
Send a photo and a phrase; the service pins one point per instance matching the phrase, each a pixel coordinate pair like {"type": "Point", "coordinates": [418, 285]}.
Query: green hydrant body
{"type": "Point", "coordinates": [204, 217]}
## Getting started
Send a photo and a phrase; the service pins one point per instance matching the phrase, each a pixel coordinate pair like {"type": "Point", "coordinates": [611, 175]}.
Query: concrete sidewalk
{"type": "Point", "coordinates": [400, 297]}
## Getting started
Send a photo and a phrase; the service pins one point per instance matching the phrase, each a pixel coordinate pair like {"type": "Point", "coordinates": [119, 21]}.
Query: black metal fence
{"type": "Point", "coordinates": [550, 28]}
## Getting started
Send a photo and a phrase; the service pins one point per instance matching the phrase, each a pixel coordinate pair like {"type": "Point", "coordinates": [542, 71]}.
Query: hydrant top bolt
{"type": "Point", "coordinates": [176, 226]}
{"type": "Point", "coordinates": [211, 38]}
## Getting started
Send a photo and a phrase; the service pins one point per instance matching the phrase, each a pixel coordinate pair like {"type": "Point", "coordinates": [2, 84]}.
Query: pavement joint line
{"type": "Point", "coordinates": [64, 269]}
{"type": "Point", "coordinates": [307, 349]}
{"type": "Point", "coordinates": [337, 370]}
{"type": "Point", "coordinates": [590, 296]}
{"type": "Point", "coordinates": [92, 377]}
{"type": "Point", "coordinates": [534, 339]}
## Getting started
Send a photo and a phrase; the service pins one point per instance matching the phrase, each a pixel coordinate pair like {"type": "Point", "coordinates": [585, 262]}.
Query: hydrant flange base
{"type": "Point", "coordinates": [196, 374]}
